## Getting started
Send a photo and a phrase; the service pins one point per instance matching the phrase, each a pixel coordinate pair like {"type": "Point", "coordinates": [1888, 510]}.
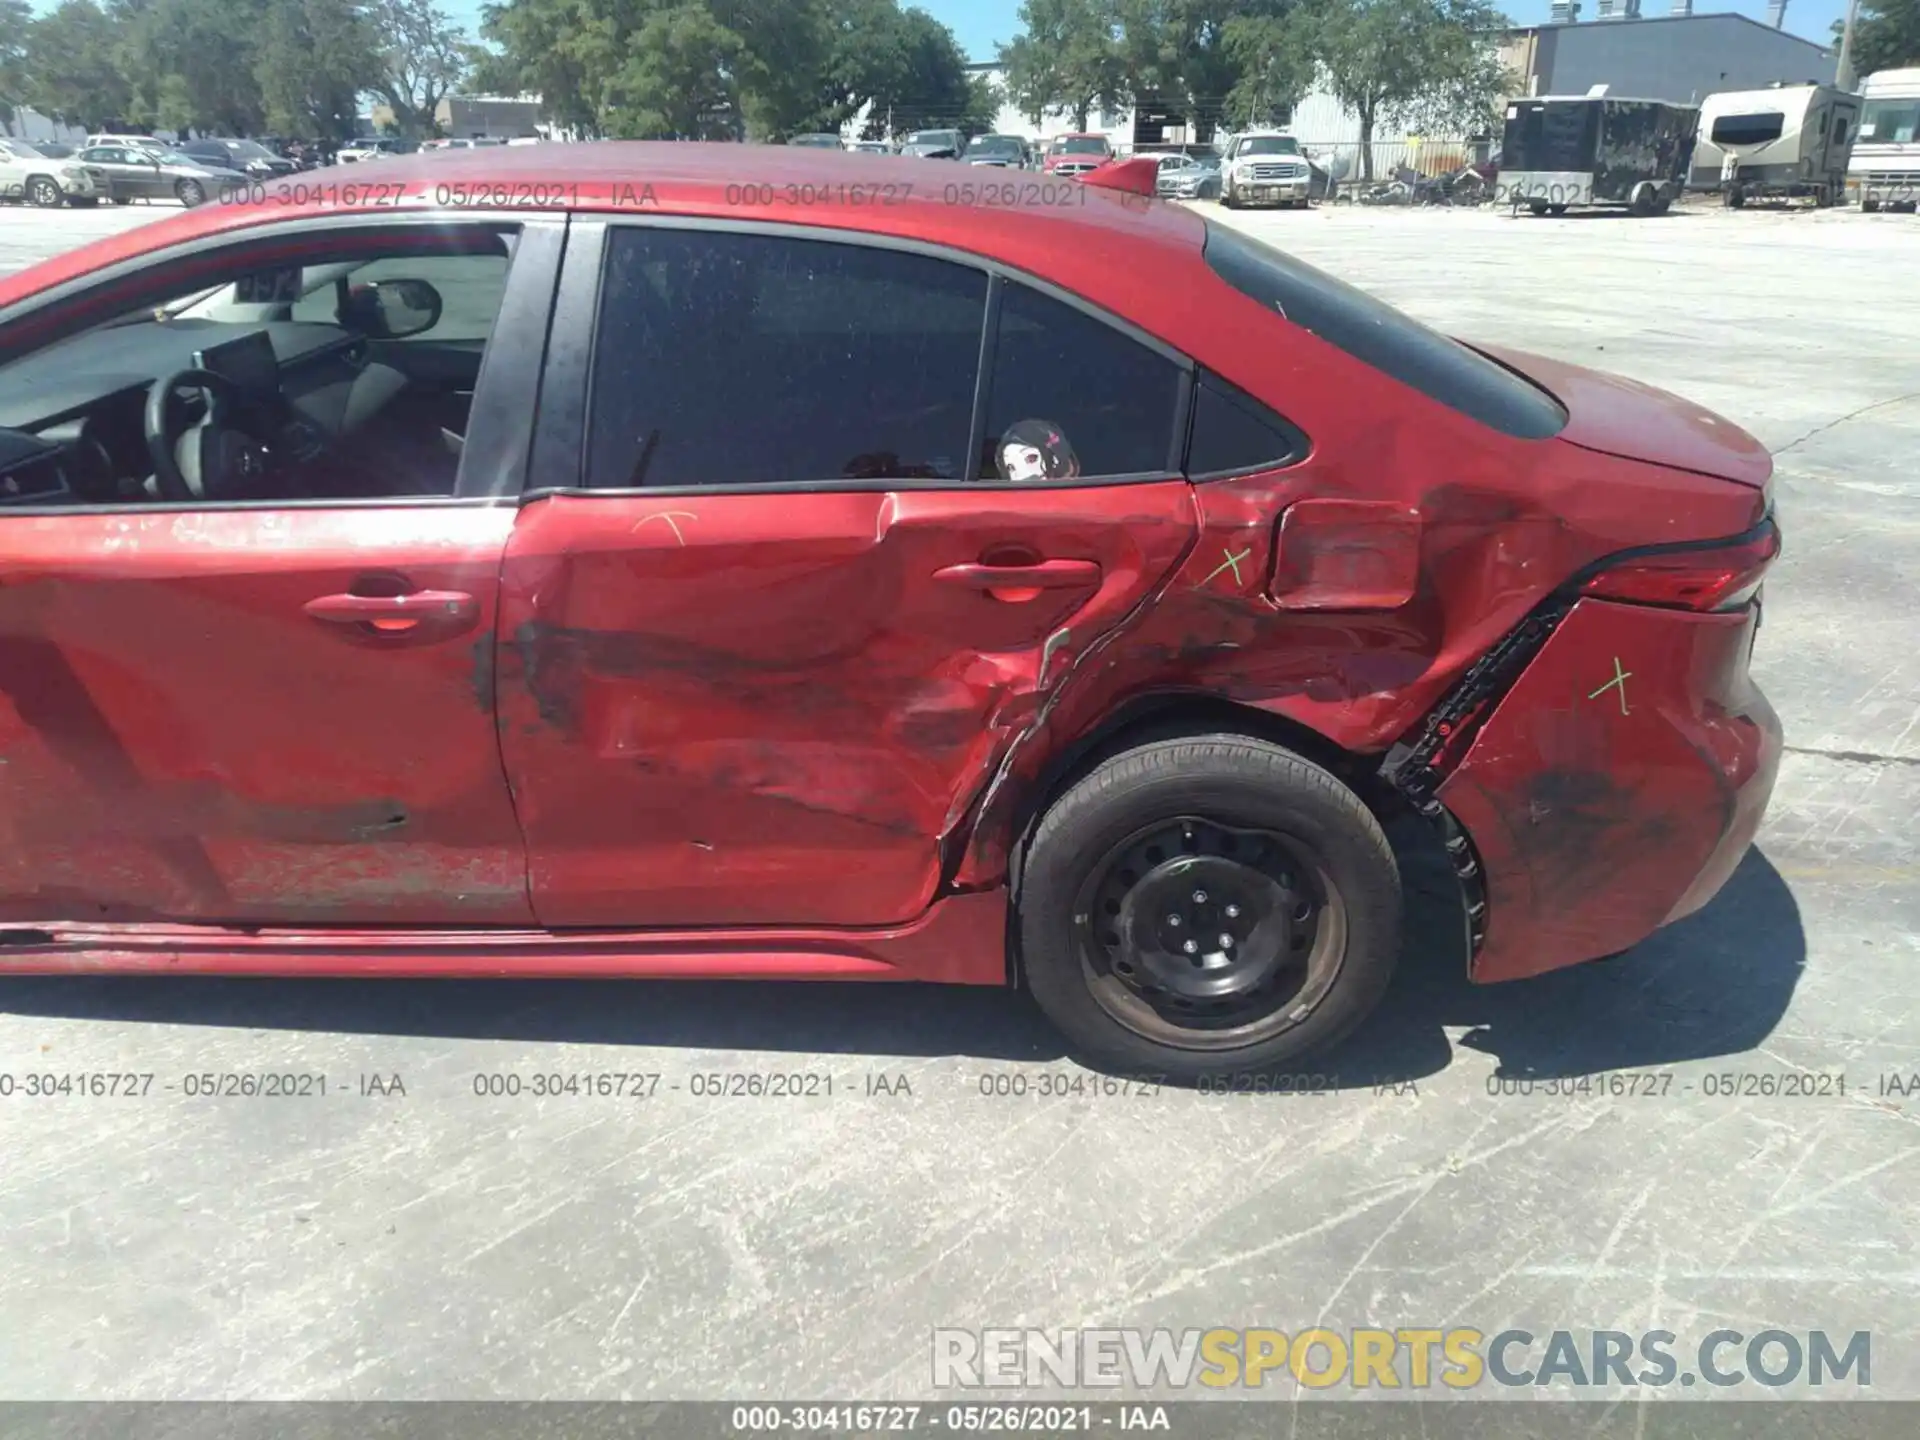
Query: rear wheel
{"type": "Point", "coordinates": [191, 193]}
{"type": "Point", "coordinates": [1207, 906]}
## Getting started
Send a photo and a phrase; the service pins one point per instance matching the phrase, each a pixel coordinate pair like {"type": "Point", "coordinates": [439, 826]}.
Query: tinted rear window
{"type": "Point", "coordinates": [1377, 334]}
{"type": "Point", "coordinates": [1748, 129]}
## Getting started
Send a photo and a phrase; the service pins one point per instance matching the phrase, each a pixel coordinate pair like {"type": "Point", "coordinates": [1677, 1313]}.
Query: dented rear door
{"type": "Point", "coordinates": [776, 621]}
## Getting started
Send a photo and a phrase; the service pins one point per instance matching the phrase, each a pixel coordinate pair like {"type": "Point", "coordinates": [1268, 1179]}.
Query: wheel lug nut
{"type": "Point", "coordinates": [1226, 942]}
{"type": "Point", "coordinates": [1233, 912]}
{"type": "Point", "coordinates": [1199, 897]}
{"type": "Point", "coordinates": [1192, 947]}
{"type": "Point", "coordinates": [1173, 920]}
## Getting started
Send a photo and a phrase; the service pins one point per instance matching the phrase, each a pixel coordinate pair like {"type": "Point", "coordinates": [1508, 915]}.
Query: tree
{"type": "Point", "coordinates": [1070, 58]}
{"type": "Point", "coordinates": [1272, 56]}
{"type": "Point", "coordinates": [181, 65]}
{"type": "Point", "coordinates": [72, 68]}
{"type": "Point", "coordinates": [423, 58]}
{"type": "Point", "coordinates": [14, 19]}
{"type": "Point", "coordinates": [904, 66]}
{"type": "Point", "coordinates": [311, 65]}
{"type": "Point", "coordinates": [1425, 59]}
{"type": "Point", "coordinates": [1886, 35]}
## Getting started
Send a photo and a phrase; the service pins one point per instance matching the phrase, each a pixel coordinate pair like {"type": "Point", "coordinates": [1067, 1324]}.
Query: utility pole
{"type": "Point", "coordinates": [1843, 73]}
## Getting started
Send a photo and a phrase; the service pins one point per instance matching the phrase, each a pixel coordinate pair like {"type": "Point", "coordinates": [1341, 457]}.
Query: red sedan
{"type": "Point", "coordinates": [719, 561]}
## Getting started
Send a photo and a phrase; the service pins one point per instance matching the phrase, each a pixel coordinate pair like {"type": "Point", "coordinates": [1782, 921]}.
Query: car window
{"type": "Point", "coordinates": [1234, 434]}
{"type": "Point", "coordinates": [471, 287]}
{"type": "Point", "coordinates": [1376, 334]}
{"type": "Point", "coordinates": [1112, 399]}
{"type": "Point", "coordinates": [734, 360]}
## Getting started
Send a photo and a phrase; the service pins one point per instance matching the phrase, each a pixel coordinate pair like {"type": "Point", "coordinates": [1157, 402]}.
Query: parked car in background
{"type": "Point", "coordinates": [1077, 154]}
{"type": "Point", "coordinates": [158, 174]}
{"type": "Point", "coordinates": [1011, 594]}
{"type": "Point", "coordinates": [1884, 172]}
{"type": "Point", "coordinates": [248, 157]}
{"type": "Point", "coordinates": [28, 173]}
{"type": "Point", "coordinates": [869, 147]}
{"type": "Point", "coordinates": [374, 148]}
{"type": "Point", "coordinates": [933, 144]}
{"type": "Point", "coordinates": [136, 142]}
{"type": "Point", "coordinates": [1007, 152]}
{"type": "Point", "coordinates": [1188, 177]}
{"type": "Point", "coordinates": [1268, 167]}
{"type": "Point", "coordinates": [53, 150]}
{"type": "Point", "coordinates": [818, 141]}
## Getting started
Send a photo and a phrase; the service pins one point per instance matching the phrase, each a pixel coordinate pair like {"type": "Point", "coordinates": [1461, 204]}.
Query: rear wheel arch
{"type": "Point", "coordinates": [1174, 716]}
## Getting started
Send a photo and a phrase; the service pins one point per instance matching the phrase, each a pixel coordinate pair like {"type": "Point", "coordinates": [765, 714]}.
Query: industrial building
{"type": "Point", "coordinates": [1680, 57]}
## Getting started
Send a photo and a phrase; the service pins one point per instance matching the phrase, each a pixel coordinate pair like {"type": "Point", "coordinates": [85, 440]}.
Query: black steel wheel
{"type": "Point", "coordinates": [1207, 905]}
{"type": "Point", "coordinates": [1203, 935]}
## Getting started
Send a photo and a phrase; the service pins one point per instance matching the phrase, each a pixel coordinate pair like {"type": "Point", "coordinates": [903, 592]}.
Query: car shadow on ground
{"type": "Point", "coordinates": [1714, 984]}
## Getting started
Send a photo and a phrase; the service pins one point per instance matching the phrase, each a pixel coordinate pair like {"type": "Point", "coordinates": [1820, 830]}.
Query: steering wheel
{"type": "Point", "coordinates": [210, 459]}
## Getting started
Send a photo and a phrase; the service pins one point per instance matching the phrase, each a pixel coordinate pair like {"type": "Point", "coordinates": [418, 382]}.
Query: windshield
{"type": "Point", "coordinates": [1080, 145]}
{"type": "Point", "coordinates": [994, 145]}
{"type": "Point", "coordinates": [176, 157]}
{"type": "Point", "coordinates": [934, 137]}
{"type": "Point", "coordinates": [246, 150]}
{"type": "Point", "coordinates": [1890, 122]}
{"type": "Point", "coordinates": [1269, 145]}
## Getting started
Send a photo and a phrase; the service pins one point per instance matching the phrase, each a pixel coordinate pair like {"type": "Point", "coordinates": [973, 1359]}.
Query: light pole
{"type": "Point", "coordinates": [1843, 71]}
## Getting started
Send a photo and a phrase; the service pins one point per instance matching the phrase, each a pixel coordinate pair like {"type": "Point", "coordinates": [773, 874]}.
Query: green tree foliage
{"type": "Point", "coordinates": [232, 67]}
{"type": "Point", "coordinates": [722, 69]}
{"type": "Point", "coordinates": [72, 66]}
{"type": "Point", "coordinates": [1070, 56]}
{"type": "Point", "coordinates": [1886, 35]}
{"type": "Point", "coordinates": [422, 57]}
{"type": "Point", "coordinates": [14, 19]}
{"type": "Point", "coordinates": [1426, 62]}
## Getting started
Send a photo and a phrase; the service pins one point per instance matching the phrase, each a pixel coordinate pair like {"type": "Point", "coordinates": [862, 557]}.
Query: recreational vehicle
{"type": "Point", "coordinates": [1885, 170]}
{"type": "Point", "coordinates": [1593, 149]}
{"type": "Point", "coordinates": [1779, 143]}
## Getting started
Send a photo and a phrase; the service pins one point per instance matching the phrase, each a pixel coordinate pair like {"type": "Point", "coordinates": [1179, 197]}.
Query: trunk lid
{"type": "Point", "coordinates": [1617, 416]}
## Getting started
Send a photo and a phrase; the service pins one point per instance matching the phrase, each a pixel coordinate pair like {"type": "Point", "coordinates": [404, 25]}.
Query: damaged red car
{"type": "Point", "coordinates": [713, 561]}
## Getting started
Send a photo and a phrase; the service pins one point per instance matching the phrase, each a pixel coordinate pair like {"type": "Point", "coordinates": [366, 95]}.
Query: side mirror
{"type": "Point", "coordinates": [391, 309]}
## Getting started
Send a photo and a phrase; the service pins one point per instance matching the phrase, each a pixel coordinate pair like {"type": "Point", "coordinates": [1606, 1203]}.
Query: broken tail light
{"type": "Point", "coordinates": [1718, 575]}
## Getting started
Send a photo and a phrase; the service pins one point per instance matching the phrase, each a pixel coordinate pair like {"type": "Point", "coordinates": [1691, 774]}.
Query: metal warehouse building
{"type": "Point", "coordinates": [1682, 58]}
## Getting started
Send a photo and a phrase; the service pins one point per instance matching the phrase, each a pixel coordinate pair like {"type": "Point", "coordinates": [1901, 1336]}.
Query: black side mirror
{"type": "Point", "coordinates": [391, 309]}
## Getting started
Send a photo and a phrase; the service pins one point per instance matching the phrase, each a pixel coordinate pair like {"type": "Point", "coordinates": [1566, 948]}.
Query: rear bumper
{"type": "Point", "coordinates": [1603, 808]}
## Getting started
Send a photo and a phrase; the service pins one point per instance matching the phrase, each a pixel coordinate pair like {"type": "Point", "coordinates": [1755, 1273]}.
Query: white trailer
{"type": "Point", "coordinates": [1784, 142]}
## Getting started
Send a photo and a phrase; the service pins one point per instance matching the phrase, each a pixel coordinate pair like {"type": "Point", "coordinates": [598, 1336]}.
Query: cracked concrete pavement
{"type": "Point", "coordinates": [439, 1244]}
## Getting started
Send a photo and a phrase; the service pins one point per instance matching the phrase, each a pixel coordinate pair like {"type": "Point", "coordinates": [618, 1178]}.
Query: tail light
{"type": "Point", "coordinates": [1721, 575]}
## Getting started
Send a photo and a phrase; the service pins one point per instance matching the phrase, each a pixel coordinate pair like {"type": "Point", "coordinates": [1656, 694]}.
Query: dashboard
{"type": "Point", "coordinates": [72, 417]}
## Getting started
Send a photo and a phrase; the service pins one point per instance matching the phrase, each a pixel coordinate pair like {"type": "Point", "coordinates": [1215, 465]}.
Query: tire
{"type": "Point", "coordinates": [1318, 907]}
{"type": "Point", "coordinates": [123, 199]}
{"type": "Point", "coordinates": [191, 193]}
{"type": "Point", "coordinates": [1538, 207]}
{"type": "Point", "coordinates": [1556, 209]}
{"type": "Point", "coordinates": [1227, 201]}
{"type": "Point", "coordinates": [44, 191]}
{"type": "Point", "coordinates": [1736, 198]}
{"type": "Point", "coordinates": [1868, 207]}
{"type": "Point", "coordinates": [83, 202]}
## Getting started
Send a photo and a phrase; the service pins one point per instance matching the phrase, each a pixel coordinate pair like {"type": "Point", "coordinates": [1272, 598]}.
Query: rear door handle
{"type": "Point", "coordinates": [1042, 575]}
{"type": "Point", "coordinates": [416, 613]}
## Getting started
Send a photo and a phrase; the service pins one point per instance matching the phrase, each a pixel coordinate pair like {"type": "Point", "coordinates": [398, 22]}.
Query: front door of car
{"type": "Point", "coordinates": [249, 710]}
{"type": "Point", "coordinates": [778, 632]}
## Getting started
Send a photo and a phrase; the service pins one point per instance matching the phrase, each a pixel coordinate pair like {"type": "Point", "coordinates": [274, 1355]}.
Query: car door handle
{"type": "Point", "coordinates": [1042, 575]}
{"type": "Point", "coordinates": [417, 612]}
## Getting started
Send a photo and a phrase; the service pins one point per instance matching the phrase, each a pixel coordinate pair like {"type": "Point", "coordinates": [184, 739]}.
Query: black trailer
{"type": "Point", "coordinates": [1562, 151]}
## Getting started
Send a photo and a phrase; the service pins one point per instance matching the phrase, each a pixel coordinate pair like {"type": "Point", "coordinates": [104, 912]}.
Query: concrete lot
{"type": "Point", "coordinates": [440, 1245]}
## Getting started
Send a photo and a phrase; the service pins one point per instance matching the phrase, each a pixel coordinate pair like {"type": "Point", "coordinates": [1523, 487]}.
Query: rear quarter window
{"type": "Point", "coordinates": [1378, 335]}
